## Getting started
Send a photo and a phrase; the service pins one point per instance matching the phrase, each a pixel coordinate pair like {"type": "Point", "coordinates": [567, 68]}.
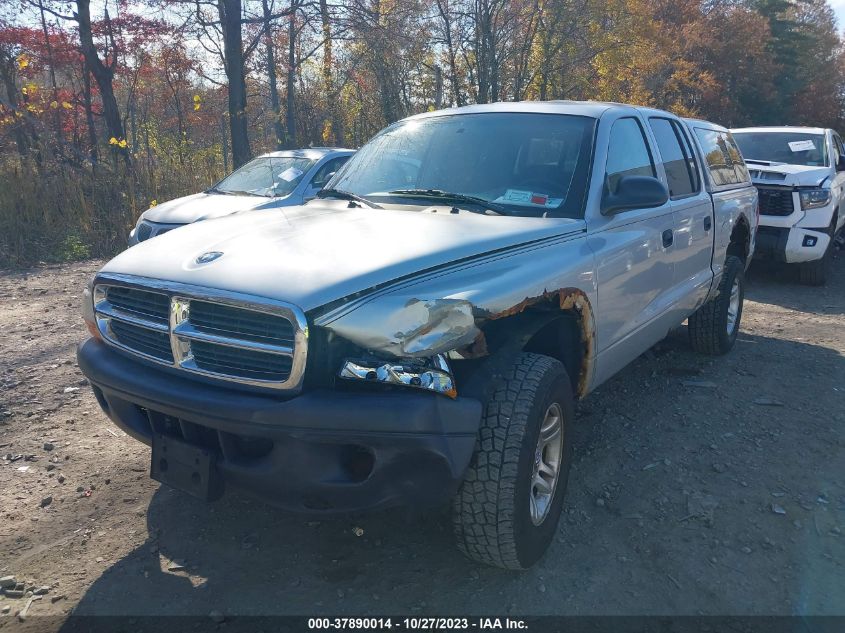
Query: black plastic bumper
{"type": "Point", "coordinates": [323, 450]}
{"type": "Point", "coordinates": [771, 243]}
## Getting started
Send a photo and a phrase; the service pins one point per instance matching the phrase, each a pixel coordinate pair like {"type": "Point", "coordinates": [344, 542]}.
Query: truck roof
{"type": "Point", "coordinates": [314, 153]}
{"type": "Point", "coordinates": [592, 109]}
{"type": "Point", "coordinates": [703, 123]}
{"type": "Point", "coordinates": [781, 128]}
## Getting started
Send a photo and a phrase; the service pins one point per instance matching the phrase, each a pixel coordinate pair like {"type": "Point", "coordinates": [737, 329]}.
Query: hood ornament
{"type": "Point", "coordinates": [210, 256]}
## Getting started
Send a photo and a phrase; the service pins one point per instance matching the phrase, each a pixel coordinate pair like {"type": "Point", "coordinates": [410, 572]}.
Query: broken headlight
{"type": "Point", "coordinates": [430, 374]}
{"type": "Point", "coordinates": [815, 197]}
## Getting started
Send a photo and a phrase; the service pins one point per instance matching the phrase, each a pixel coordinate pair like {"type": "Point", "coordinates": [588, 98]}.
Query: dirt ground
{"type": "Point", "coordinates": [699, 486]}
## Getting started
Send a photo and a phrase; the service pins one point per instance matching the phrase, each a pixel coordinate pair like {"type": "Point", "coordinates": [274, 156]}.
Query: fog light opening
{"type": "Point", "coordinates": [357, 462]}
{"type": "Point", "coordinates": [810, 241]}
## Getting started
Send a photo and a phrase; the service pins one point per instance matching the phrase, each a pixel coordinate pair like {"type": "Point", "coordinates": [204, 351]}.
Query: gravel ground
{"type": "Point", "coordinates": [699, 486]}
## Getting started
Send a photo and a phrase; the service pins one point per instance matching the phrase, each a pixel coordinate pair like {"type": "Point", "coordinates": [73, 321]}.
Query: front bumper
{"type": "Point", "coordinates": [790, 245]}
{"type": "Point", "coordinates": [323, 451]}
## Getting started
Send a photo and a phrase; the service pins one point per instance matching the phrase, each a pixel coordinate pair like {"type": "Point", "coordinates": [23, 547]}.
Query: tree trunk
{"type": "Point", "coordinates": [230, 19]}
{"type": "Point", "coordinates": [290, 111]}
{"type": "Point", "coordinates": [57, 123]}
{"type": "Point", "coordinates": [273, 77]}
{"type": "Point", "coordinates": [331, 131]}
{"type": "Point", "coordinates": [89, 112]}
{"type": "Point", "coordinates": [7, 69]}
{"type": "Point", "coordinates": [103, 74]}
{"type": "Point", "coordinates": [224, 145]}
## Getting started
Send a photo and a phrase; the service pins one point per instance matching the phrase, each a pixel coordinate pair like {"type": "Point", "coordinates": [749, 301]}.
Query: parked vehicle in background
{"type": "Point", "coordinates": [800, 173]}
{"type": "Point", "coordinates": [422, 330]}
{"type": "Point", "coordinates": [278, 179]}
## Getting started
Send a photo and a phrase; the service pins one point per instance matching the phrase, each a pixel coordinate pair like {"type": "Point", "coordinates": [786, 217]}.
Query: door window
{"type": "Point", "coordinates": [681, 172]}
{"type": "Point", "coordinates": [328, 170]}
{"type": "Point", "coordinates": [627, 153]}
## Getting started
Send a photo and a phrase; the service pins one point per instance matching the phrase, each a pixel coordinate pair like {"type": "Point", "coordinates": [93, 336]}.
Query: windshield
{"type": "Point", "coordinates": [522, 164]}
{"type": "Point", "coordinates": [271, 176]}
{"type": "Point", "coordinates": [795, 148]}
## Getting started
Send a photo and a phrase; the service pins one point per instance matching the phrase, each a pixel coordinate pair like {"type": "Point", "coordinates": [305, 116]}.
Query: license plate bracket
{"type": "Point", "coordinates": [185, 467]}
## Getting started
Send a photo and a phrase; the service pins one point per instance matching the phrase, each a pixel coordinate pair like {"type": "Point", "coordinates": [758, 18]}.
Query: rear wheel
{"type": "Point", "coordinates": [507, 508]}
{"type": "Point", "coordinates": [713, 328]}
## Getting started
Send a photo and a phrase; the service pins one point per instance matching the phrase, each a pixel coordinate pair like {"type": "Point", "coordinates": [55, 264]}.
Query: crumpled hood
{"type": "Point", "coordinates": [314, 254]}
{"type": "Point", "coordinates": [787, 175]}
{"type": "Point", "coordinates": [204, 206]}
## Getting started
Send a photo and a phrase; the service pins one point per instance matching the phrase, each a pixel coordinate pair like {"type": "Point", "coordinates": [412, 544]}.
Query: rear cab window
{"type": "Point", "coordinates": [722, 157]}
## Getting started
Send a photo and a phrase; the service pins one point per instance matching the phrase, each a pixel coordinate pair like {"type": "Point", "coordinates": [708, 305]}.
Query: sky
{"type": "Point", "coordinates": [839, 7]}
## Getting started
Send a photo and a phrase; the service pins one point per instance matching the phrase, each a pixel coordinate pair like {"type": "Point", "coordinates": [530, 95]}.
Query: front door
{"type": "Point", "coordinates": [633, 251]}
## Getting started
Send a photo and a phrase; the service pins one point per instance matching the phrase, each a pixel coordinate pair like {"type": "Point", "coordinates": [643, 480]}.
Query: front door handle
{"type": "Point", "coordinates": [708, 223]}
{"type": "Point", "coordinates": [668, 238]}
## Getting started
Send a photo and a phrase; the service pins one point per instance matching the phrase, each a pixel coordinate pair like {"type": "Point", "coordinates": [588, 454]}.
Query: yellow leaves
{"type": "Point", "coordinates": [197, 103]}
{"type": "Point", "coordinates": [54, 104]}
{"type": "Point", "coordinates": [122, 144]}
{"type": "Point", "coordinates": [327, 131]}
{"type": "Point", "coordinates": [23, 61]}
{"type": "Point", "coordinates": [67, 106]}
{"type": "Point", "coordinates": [153, 203]}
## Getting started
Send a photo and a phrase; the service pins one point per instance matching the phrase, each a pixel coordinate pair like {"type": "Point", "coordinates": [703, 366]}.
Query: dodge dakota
{"type": "Point", "coordinates": [419, 333]}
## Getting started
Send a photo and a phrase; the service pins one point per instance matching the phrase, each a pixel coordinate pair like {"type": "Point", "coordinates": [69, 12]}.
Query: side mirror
{"type": "Point", "coordinates": [635, 192]}
{"type": "Point", "coordinates": [840, 164]}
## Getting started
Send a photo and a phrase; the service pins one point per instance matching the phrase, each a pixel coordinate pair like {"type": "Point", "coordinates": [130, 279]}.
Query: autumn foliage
{"type": "Point", "coordinates": [106, 108]}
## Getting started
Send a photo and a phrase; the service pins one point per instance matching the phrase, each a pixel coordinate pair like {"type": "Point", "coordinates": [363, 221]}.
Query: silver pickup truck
{"type": "Point", "coordinates": [420, 332]}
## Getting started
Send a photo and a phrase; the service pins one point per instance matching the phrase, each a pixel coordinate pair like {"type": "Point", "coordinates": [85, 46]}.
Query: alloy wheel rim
{"type": "Point", "coordinates": [733, 308]}
{"type": "Point", "coordinates": [547, 458]}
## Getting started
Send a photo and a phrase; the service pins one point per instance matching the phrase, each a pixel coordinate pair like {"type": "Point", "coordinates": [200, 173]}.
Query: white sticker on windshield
{"type": "Point", "coordinates": [802, 146]}
{"type": "Point", "coordinates": [529, 198]}
{"type": "Point", "coordinates": [290, 174]}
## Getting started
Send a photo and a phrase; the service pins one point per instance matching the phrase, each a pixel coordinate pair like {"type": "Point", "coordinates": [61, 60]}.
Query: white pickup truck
{"type": "Point", "coordinates": [419, 332]}
{"type": "Point", "coordinates": [800, 173]}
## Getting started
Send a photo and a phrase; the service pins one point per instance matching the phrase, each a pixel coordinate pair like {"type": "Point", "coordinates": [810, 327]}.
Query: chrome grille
{"type": "Point", "coordinates": [140, 303]}
{"type": "Point", "coordinates": [224, 320]}
{"type": "Point", "coordinates": [241, 362]}
{"type": "Point", "coordinates": [148, 342]}
{"type": "Point", "coordinates": [226, 336]}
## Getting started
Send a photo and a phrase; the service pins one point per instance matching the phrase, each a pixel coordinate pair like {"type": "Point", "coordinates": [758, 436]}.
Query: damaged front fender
{"type": "Point", "coordinates": [417, 329]}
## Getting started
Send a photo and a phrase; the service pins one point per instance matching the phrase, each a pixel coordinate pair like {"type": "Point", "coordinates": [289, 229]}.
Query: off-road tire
{"type": "Point", "coordinates": [708, 326]}
{"type": "Point", "coordinates": [815, 273]}
{"type": "Point", "coordinates": [490, 512]}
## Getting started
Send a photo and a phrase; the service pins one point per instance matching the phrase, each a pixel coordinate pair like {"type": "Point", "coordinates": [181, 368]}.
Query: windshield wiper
{"type": "Point", "coordinates": [347, 195]}
{"type": "Point", "coordinates": [448, 195]}
{"type": "Point", "coordinates": [232, 192]}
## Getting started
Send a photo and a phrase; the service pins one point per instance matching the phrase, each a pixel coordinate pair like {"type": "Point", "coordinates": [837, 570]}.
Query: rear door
{"type": "Point", "coordinates": [692, 211]}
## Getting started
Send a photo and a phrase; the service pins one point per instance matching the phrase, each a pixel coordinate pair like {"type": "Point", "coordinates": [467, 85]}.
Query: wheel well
{"type": "Point", "coordinates": [562, 339]}
{"type": "Point", "coordinates": [740, 240]}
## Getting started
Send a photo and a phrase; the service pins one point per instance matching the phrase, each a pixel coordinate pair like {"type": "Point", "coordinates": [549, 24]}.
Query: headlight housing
{"type": "Point", "coordinates": [431, 374]}
{"type": "Point", "coordinates": [814, 198]}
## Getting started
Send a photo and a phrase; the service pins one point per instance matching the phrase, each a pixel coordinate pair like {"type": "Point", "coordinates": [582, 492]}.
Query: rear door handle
{"type": "Point", "coordinates": [668, 238]}
{"type": "Point", "coordinates": [708, 223]}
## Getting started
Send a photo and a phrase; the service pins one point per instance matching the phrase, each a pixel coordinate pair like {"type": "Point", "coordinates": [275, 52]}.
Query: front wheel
{"type": "Point", "coordinates": [713, 328]}
{"type": "Point", "coordinates": [815, 273]}
{"type": "Point", "coordinates": [507, 508]}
